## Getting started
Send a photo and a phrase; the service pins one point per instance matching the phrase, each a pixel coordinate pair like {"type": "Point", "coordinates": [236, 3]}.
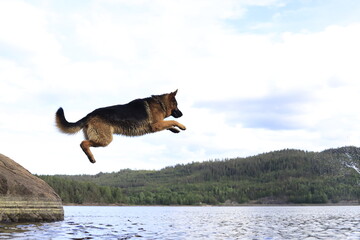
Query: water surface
{"type": "Point", "coordinates": [280, 222]}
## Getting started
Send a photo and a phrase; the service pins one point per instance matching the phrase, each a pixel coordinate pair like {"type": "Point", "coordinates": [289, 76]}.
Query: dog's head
{"type": "Point", "coordinates": [172, 105]}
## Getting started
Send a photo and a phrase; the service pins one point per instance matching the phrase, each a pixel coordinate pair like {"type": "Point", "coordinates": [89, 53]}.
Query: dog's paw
{"type": "Point", "coordinates": [182, 127]}
{"type": "Point", "coordinates": [174, 130]}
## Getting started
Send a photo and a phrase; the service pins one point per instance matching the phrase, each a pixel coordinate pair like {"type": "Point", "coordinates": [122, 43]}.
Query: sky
{"type": "Point", "coordinates": [253, 76]}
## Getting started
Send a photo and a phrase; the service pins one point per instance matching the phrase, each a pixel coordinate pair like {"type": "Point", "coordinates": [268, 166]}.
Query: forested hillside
{"type": "Point", "coordinates": [286, 176]}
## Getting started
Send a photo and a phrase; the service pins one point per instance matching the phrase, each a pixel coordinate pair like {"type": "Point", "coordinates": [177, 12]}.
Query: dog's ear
{"type": "Point", "coordinates": [174, 93]}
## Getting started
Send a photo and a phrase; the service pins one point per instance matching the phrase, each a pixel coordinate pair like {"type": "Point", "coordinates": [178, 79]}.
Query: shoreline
{"type": "Point", "coordinates": [344, 203]}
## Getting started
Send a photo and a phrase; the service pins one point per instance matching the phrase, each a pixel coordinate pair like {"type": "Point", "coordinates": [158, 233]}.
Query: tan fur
{"type": "Point", "coordinates": [62, 128]}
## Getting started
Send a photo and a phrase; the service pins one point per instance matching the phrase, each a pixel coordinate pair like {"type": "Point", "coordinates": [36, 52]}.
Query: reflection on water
{"type": "Point", "coordinates": [287, 222]}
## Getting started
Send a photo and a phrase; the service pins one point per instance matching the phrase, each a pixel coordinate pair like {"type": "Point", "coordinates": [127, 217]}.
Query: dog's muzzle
{"type": "Point", "coordinates": [176, 113]}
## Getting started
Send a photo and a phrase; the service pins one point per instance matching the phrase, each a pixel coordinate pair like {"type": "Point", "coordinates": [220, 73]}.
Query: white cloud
{"type": "Point", "coordinates": [110, 52]}
{"type": "Point", "coordinates": [25, 27]}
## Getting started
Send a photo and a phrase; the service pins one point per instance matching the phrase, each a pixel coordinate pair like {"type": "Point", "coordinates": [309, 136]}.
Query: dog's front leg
{"type": "Point", "coordinates": [174, 130]}
{"type": "Point", "coordinates": [159, 126]}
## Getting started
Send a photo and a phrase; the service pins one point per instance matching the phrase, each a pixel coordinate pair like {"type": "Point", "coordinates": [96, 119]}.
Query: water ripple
{"type": "Point", "coordinates": [322, 222]}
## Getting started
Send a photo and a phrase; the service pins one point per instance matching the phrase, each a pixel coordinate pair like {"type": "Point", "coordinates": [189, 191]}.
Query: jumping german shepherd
{"type": "Point", "coordinates": [138, 117]}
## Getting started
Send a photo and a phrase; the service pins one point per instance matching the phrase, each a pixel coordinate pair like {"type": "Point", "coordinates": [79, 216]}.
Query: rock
{"type": "Point", "coordinates": [24, 197]}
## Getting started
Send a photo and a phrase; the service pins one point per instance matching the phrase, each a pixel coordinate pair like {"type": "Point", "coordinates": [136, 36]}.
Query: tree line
{"type": "Point", "coordinates": [286, 176]}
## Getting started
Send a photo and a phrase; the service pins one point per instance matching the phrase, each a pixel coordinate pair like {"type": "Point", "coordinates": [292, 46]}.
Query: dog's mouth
{"type": "Point", "coordinates": [176, 113]}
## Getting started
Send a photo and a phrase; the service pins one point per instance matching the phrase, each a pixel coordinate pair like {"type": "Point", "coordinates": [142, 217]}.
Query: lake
{"type": "Point", "coordinates": [254, 222]}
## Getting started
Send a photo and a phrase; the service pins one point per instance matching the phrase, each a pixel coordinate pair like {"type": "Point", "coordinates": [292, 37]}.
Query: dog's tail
{"type": "Point", "coordinates": [67, 127]}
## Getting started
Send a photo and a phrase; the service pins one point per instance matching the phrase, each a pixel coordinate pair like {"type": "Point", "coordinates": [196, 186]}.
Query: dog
{"type": "Point", "coordinates": [136, 118]}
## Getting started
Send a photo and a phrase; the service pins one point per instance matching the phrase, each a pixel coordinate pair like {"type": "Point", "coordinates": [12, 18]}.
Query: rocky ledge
{"type": "Point", "coordinates": [24, 197]}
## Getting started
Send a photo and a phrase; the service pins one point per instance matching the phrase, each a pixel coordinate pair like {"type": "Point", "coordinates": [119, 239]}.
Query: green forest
{"type": "Point", "coordinates": [278, 177]}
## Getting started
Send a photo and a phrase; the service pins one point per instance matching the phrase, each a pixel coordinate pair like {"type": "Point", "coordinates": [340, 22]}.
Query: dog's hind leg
{"type": "Point", "coordinates": [97, 134]}
{"type": "Point", "coordinates": [85, 146]}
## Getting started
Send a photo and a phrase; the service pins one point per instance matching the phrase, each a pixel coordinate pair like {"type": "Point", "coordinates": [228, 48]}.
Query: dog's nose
{"type": "Point", "coordinates": [176, 113]}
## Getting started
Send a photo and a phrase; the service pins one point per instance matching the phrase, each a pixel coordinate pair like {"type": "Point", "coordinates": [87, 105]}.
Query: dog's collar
{"type": "Point", "coordinates": [158, 100]}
